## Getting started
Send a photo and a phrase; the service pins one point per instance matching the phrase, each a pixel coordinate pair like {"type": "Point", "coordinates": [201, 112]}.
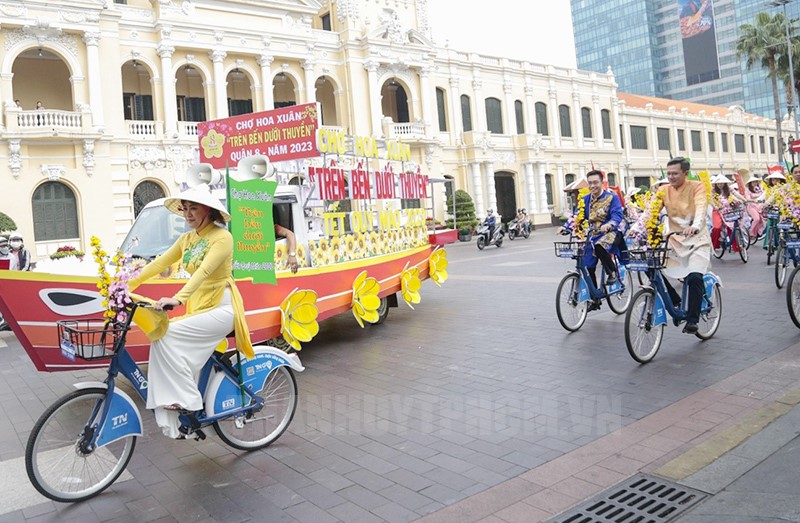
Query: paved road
{"type": "Point", "coordinates": [476, 391]}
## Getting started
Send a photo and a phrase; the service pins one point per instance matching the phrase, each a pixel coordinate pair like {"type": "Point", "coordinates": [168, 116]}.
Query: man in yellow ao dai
{"type": "Point", "coordinates": [686, 204]}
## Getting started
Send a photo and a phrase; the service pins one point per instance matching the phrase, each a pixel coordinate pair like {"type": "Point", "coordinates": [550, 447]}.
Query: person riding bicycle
{"type": "Point", "coordinates": [755, 195]}
{"type": "Point", "coordinates": [686, 203]}
{"type": "Point", "coordinates": [214, 307]}
{"type": "Point", "coordinates": [724, 198]}
{"type": "Point", "coordinates": [604, 214]}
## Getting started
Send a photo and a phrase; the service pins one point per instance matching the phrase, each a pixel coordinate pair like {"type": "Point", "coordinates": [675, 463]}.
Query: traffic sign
{"type": "Point", "coordinates": [794, 146]}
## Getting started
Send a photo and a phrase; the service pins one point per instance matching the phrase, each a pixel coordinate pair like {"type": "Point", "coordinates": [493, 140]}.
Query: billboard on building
{"type": "Point", "coordinates": [699, 36]}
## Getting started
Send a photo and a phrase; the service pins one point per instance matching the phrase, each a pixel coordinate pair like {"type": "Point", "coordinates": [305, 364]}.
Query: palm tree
{"type": "Point", "coordinates": [760, 42]}
{"type": "Point", "coordinates": [783, 71]}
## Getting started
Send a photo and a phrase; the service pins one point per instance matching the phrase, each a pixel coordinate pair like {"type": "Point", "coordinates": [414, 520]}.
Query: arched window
{"type": "Point", "coordinates": [586, 119]}
{"type": "Point", "coordinates": [494, 115]}
{"type": "Point", "coordinates": [605, 117]}
{"type": "Point", "coordinates": [55, 213]}
{"type": "Point", "coordinates": [548, 187]}
{"type": "Point", "coordinates": [145, 193]}
{"type": "Point", "coordinates": [568, 179]}
{"type": "Point", "coordinates": [519, 117]}
{"type": "Point", "coordinates": [612, 179]}
{"type": "Point", "coordinates": [541, 119]}
{"type": "Point", "coordinates": [440, 107]}
{"type": "Point", "coordinates": [466, 113]}
{"type": "Point", "coordinates": [564, 122]}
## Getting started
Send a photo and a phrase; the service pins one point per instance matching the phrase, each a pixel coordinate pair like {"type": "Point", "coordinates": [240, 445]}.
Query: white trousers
{"type": "Point", "coordinates": [177, 359]}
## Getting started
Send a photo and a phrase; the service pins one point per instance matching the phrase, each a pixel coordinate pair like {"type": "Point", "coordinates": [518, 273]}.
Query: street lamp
{"type": "Point", "coordinates": [776, 3]}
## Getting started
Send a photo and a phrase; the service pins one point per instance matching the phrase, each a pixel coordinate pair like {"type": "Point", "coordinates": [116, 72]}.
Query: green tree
{"type": "Point", "coordinates": [760, 43]}
{"type": "Point", "coordinates": [6, 223]}
{"type": "Point", "coordinates": [783, 59]}
{"type": "Point", "coordinates": [464, 212]}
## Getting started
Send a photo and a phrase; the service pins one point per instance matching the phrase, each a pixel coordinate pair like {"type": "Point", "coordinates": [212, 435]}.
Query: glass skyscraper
{"type": "Point", "coordinates": [677, 49]}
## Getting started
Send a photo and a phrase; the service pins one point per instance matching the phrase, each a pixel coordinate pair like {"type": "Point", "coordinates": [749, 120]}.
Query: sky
{"type": "Point", "coordinates": [536, 30]}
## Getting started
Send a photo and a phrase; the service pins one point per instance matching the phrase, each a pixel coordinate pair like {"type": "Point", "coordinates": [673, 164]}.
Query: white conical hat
{"type": "Point", "coordinates": [198, 194]}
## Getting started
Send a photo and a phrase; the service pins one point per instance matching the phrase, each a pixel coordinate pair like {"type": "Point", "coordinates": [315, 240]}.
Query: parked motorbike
{"type": "Point", "coordinates": [484, 240]}
{"type": "Point", "coordinates": [3, 324]}
{"type": "Point", "coordinates": [517, 228]}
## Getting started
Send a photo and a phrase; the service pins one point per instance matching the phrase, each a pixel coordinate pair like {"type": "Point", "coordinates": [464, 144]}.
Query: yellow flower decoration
{"type": "Point", "coordinates": [349, 247]}
{"type": "Point", "coordinates": [580, 216]}
{"type": "Point", "coordinates": [299, 317]}
{"type": "Point", "coordinates": [655, 228]}
{"type": "Point", "coordinates": [365, 298]}
{"type": "Point", "coordinates": [212, 144]}
{"type": "Point", "coordinates": [336, 249]}
{"type": "Point", "coordinates": [410, 284]}
{"type": "Point", "coordinates": [437, 266]}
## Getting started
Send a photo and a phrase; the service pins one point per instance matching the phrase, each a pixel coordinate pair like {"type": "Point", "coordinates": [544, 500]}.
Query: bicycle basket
{"type": "Point", "coordinates": [732, 215]}
{"type": "Point", "coordinates": [773, 214]}
{"type": "Point", "coordinates": [88, 338]}
{"type": "Point", "coordinates": [785, 226]}
{"type": "Point", "coordinates": [641, 260]}
{"type": "Point", "coordinates": [572, 249]}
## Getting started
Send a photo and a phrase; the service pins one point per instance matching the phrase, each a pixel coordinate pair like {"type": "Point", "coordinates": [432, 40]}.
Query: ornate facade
{"type": "Point", "coordinates": [123, 84]}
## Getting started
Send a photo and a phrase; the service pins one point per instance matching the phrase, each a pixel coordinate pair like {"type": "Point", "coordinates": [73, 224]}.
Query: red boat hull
{"type": "Point", "coordinates": [33, 302]}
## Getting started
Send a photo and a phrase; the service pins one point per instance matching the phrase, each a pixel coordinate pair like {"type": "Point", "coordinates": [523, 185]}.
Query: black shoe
{"type": "Point", "coordinates": [690, 328]}
{"type": "Point", "coordinates": [594, 305]}
{"type": "Point", "coordinates": [612, 279]}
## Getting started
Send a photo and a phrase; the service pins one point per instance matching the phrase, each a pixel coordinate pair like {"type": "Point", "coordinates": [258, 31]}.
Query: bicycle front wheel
{"type": "Point", "coordinates": [741, 243]}
{"type": "Point", "coordinates": [642, 338]}
{"type": "Point", "coordinates": [793, 297]}
{"type": "Point", "coordinates": [709, 320]}
{"type": "Point", "coordinates": [719, 252]}
{"type": "Point", "coordinates": [57, 461]}
{"type": "Point", "coordinates": [257, 429]}
{"type": "Point", "coordinates": [571, 313]}
{"type": "Point", "coordinates": [620, 301]}
{"type": "Point", "coordinates": [780, 266]}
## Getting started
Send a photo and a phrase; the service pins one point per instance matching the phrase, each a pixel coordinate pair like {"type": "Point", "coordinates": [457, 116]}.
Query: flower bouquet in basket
{"type": "Point", "coordinates": [647, 230]}
{"type": "Point", "coordinates": [114, 289]}
{"type": "Point", "coordinates": [576, 222]}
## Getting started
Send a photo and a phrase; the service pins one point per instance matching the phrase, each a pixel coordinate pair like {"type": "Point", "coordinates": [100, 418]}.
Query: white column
{"type": "Point", "coordinates": [558, 187]}
{"type": "Point", "coordinates": [374, 96]}
{"type": "Point", "coordinates": [530, 113]}
{"type": "Point", "coordinates": [491, 191]}
{"type": "Point", "coordinates": [542, 185]}
{"type": "Point", "coordinates": [308, 78]}
{"type": "Point", "coordinates": [455, 110]}
{"type": "Point", "coordinates": [509, 114]}
{"type": "Point", "coordinates": [615, 122]}
{"type": "Point", "coordinates": [168, 88]}
{"type": "Point", "coordinates": [597, 118]}
{"type": "Point", "coordinates": [220, 83]}
{"type": "Point", "coordinates": [480, 105]}
{"type": "Point", "coordinates": [530, 183]}
{"type": "Point", "coordinates": [92, 41]}
{"type": "Point", "coordinates": [555, 128]}
{"type": "Point", "coordinates": [429, 117]}
{"type": "Point", "coordinates": [265, 61]}
{"type": "Point", "coordinates": [477, 188]}
{"type": "Point", "coordinates": [577, 118]}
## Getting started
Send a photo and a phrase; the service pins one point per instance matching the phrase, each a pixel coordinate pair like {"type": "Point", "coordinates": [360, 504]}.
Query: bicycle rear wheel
{"type": "Point", "coordinates": [719, 251]}
{"type": "Point", "coordinates": [793, 297]}
{"type": "Point", "coordinates": [780, 266]}
{"type": "Point", "coordinates": [772, 242]}
{"type": "Point", "coordinates": [619, 302]}
{"type": "Point", "coordinates": [641, 337]}
{"type": "Point", "coordinates": [58, 464]}
{"type": "Point", "coordinates": [571, 313]}
{"type": "Point", "coordinates": [257, 429]}
{"type": "Point", "coordinates": [741, 242]}
{"type": "Point", "coordinates": [709, 320]}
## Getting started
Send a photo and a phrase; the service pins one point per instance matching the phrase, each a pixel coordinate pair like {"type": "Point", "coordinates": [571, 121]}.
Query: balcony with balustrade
{"type": "Point", "coordinates": [47, 123]}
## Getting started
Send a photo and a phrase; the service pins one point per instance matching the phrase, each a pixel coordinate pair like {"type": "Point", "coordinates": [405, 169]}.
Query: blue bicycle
{"type": "Point", "coordinates": [577, 294]}
{"type": "Point", "coordinates": [84, 441]}
{"type": "Point", "coordinates": [647, 315]}
{"type": "Point", "coordinates": [737, 235]}
{"type": "Point", "coordinates": [788, 251]}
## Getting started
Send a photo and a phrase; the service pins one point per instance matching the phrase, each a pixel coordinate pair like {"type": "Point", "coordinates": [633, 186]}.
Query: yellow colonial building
{"type": "Point", "coordinates": [101, 99]}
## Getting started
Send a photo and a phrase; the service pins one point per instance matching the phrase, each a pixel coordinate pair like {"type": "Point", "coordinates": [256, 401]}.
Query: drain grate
{"type": "Point", "coordinates": [638, 499]}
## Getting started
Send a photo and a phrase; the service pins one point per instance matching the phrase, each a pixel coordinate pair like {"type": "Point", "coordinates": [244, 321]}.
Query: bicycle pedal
{"type": "Point", "coordinates": [199, 435]}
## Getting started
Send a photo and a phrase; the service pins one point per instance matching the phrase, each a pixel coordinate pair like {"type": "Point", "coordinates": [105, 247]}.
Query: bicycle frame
{"type": "Point", "coordinates": [587, 289]}
{"type": "Point", "coordinates": [232, 391]}
{"type": "Point", "coordinates": [663, 302]}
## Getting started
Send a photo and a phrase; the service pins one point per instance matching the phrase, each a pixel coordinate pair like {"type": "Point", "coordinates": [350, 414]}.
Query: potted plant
{"type": "Point", "coordinates": [464, 214]}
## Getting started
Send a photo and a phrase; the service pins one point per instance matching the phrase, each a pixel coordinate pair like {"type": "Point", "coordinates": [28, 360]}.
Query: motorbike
{"type": "Point", "coordinates": [517, 228]}
{"type": "Point", "coordinates": [4, 324]}
{"type": "Point", "coordinates": [484, 240]}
